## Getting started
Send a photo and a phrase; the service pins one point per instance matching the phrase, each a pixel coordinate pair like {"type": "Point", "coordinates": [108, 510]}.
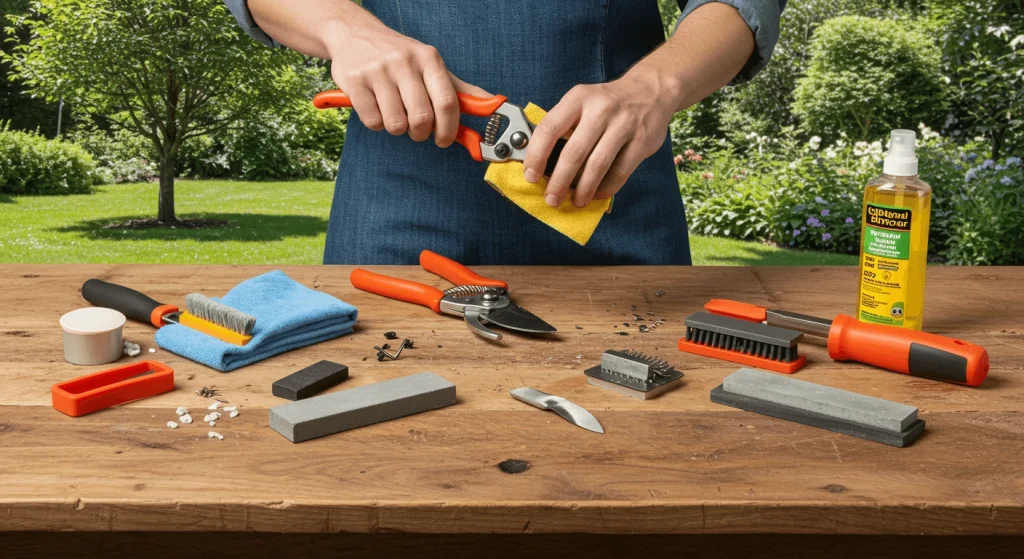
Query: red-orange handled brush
{"type": "Point", "coordinates": [893, 348]}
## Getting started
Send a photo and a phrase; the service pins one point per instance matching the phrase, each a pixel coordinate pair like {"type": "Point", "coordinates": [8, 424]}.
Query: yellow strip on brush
{"type": "Point", "coordinates": [576, 223]}
{"type": "Point", "coordinates": [211, 329]}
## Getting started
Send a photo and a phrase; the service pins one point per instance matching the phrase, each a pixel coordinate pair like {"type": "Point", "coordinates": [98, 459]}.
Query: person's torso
{"type": "Point", "coordinates": [396, 197]}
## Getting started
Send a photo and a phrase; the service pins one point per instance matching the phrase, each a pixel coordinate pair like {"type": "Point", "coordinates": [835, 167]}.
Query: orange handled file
{"type": "Point", "coordinates": [907, 351]}
{"type": "Point", "coordinates": [395, 288]}
{"type": "Point", "coordinates": [454, 271]}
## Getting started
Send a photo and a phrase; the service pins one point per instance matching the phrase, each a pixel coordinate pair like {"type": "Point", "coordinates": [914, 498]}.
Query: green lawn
{"type": "Point", "coordinates": [268, 223]}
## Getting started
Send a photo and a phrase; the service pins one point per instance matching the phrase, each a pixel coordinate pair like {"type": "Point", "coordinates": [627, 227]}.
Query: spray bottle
{"type": "Point", "coordinates": [894, 239]}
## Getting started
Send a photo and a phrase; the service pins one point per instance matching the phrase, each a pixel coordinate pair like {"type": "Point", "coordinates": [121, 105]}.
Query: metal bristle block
{"type": "Point", "coordinates": [749, 338]}
{"type": "Point", "coordinates": [218, 313]}
{"type": "Point", "coordinates": [634, 370]}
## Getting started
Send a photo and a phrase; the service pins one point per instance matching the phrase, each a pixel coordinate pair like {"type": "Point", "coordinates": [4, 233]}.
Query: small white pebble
{"type": "Point", "coordinates": [132, 351]}
{"type": "Point", "coordinates": [230, 408]}
{"type": "Point", "coordinates": [212, 423]}
{"type": "Point", "coordinates": [152, 350]}
{"type": "Point", "coordinates": [186, 419]}
{"type": "Point", "coordinates": [172, 425]}
{"type": "Point", "coordinates": [182, 410]}
{"type": "Point", "coordinates": [214, 405]}
{"type": "Point", "coordinates": [215, 435]}
{"type": "Point", "coordinates": [234, 413]}
{"type": "Point", "coordinates": [212, 417]}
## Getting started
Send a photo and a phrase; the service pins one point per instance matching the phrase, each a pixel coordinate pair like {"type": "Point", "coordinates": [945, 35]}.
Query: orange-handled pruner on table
{"type": "Point", "coordinates": [477, 299]}
{"type": "Point", "coordinates": [494, 145]}
{"type": "Point", "coordinates": [920, 354]}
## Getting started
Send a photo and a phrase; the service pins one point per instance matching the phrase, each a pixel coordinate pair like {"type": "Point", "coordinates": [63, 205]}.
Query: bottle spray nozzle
{"type": "Point", "coordinates": [902, 157]}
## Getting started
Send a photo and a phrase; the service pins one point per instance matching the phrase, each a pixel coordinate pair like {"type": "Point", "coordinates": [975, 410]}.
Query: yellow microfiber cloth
{"type": "Point", "coordinates": [576, 223]}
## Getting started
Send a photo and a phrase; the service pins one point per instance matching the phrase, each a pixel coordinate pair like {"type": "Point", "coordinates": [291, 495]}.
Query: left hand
{"type": "Point", "coordinates": [617, 125]}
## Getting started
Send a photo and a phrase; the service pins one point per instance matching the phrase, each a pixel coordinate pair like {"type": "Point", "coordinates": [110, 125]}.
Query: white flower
{"type": "Point", "coordinates": [814, 143]}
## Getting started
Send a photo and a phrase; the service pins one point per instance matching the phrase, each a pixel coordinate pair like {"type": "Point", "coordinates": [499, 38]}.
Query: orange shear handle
{"type": "Point", "coordinates": [906, 351]}
{"type": "Point", "coordinates": [395, 288]}
{"type": "Point", "coordinates": [455, 272]}
{"type": "Point", "coordinates": [468, 104]}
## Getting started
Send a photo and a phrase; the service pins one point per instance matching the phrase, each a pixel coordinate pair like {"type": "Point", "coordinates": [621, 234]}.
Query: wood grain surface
{"type": "Point", "coordinates": [677, 464]}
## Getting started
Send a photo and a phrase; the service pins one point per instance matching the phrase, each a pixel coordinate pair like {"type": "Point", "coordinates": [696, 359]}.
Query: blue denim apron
{"type": "Point", "coordinates": [395, 197]}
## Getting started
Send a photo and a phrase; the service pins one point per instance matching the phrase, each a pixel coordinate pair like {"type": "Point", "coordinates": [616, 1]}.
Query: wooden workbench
{"type": "Point", "coordinates": [678, 464]}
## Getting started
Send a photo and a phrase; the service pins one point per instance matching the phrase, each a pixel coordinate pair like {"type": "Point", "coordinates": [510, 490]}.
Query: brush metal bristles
{"type": "Point", "coordinates": [218, 313]}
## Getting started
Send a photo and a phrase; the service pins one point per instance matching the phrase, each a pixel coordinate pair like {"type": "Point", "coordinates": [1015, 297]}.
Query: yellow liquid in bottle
{"type": "Point", "coordinates": [894, 251]}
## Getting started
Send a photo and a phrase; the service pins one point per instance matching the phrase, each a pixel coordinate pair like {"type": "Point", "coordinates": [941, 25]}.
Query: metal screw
{"type": "Point", "coordinates": [519, 140]}
{"type": "Point", "coordinates": [502, 150]}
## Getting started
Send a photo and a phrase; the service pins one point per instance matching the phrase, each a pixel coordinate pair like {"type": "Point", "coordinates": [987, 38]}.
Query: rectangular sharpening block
{"type": "Point", "coordinates": [310, 381]}
{"type": "Point", "coordinates": [820, 406]}
{"type": "Point", "coordinates": [357, 407]}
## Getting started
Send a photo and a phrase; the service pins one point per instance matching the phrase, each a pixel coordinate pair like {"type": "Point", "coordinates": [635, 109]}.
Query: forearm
{"type": "Point", "coordinates": [312, 27]}
{"type": "Point", "coordinates": [707, 50]}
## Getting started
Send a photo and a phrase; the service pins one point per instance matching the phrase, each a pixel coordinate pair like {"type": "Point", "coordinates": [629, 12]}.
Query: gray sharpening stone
{"type": "Point", "coordinates": [841, 421]}
{"type": "Point", "coordinates": [310, 381]}
{"type": "Point", "coordinates": [815, 398]}
{"type": "Point", "coordinates": [357, 407]}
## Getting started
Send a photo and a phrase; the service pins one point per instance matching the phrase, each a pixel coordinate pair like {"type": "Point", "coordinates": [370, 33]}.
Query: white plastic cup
{"type": "Point", "coordinates": [92, 336]}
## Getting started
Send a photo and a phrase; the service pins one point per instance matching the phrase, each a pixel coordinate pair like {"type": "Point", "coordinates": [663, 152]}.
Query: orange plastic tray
{"type": "Point", "coordinates": [86, 394]}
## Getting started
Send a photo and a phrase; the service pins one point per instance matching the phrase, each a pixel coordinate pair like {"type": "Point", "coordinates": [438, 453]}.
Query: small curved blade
{"type": "Point", "coordinates": [576, 414]}
{"type": "Point", "coordinates": [515, 317]}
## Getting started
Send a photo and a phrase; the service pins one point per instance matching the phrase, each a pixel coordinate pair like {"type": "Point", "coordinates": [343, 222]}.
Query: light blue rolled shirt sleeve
{"type": "Point", "coordinates": [761, 16]}
{"type": "Point", "coordinates": [240, 9]}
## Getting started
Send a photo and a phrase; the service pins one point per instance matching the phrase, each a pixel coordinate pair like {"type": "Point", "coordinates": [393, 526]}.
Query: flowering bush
{"type": "Point", "coordinates": [809, 195]}
{"type": "Point", "coordinates": [986, 215]}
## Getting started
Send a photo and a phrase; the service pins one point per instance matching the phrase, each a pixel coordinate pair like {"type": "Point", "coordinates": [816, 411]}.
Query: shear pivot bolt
{"type": "Point", "coordinates": [519, 140]}
{"type": "Point", "coordinates": [502, 150]}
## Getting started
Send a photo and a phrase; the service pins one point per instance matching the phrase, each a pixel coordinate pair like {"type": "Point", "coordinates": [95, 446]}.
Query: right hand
{"type": "Point", "coordinates": [398, 83]}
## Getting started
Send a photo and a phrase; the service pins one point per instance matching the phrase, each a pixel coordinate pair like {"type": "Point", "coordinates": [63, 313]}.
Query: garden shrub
{"type": "Point", "coordinates": [31, 164]}
{"type": "Point", "coordinates": [296, 142]}
{"type": "Point", "coordinates": [122, 157]}
{"type": "Point", "coordinates": [867, 76]}
{"type": "Point", "coordinates": [986, 219]}
{"type": "Point", "coordinates": [808, 195]}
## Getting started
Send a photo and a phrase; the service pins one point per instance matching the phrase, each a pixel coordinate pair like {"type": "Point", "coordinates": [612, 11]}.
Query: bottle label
{"type": "Point", "coordinates": [885, 262]}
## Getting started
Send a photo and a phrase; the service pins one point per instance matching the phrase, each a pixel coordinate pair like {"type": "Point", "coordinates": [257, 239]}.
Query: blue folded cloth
{"type": "Point", "coordinates": [288, 315]}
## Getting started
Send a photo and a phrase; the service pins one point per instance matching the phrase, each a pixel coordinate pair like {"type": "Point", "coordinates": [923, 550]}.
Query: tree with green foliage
{"type": "Point", "coordinates": [867, 76]}
{"type": "Point", "coordinates": [21, 110]}
{"type": "Point", "coordinates": [983, 44]}
{"type": "Point", "coordinates": [176, 69]}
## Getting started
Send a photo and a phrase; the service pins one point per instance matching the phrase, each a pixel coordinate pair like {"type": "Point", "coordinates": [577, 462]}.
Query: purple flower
{"type": "Point", "coordinates": [796, 232]}
{"type": "Point", "coordinates": [849, 220]}
{"type": "Point", "coordinates": [824, 213]}
{"type": "Point", "coordinates": [826, 236]}
{"type": "Point", "coordinates": [812, 221]}
{"type": "Point", "coordinates": [971, 174]}
{"type": "Point", "coordinates": [988, 164]}
{"type": "Point", "coordinates": [1013, 161]}
{"type": "Point", "coordinates": [1006, 180]}
{"type": "Point", "coordinates": [821, 200]}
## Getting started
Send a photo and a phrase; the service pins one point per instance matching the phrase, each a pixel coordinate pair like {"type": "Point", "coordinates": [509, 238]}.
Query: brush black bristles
{"type": "Point", "coordinates": [749, 338]}
{"type": "Point", "coordinates": [218, 313]}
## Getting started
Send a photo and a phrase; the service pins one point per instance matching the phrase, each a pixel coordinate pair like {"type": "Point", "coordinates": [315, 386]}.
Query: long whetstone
{"type": "Point", "coordinates": [357, 407]}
